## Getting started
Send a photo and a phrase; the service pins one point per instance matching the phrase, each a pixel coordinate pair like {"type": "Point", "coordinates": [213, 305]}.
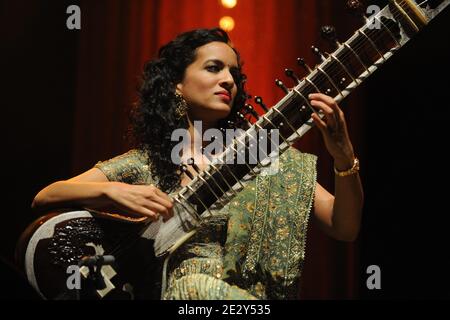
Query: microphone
{"type": "Point", "coordinates": [95, 263]}
{"type": "Point", "coordinates": [96, 260]}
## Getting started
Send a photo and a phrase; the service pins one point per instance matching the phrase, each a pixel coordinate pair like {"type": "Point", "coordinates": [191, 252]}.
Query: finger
{"type": "Point", "coordinates": [327, 111]}
{"type": "Point", "coordinates": [320, 123]}
{"type": "Point", "coordinates": [160, 194]}
{"type": "Point", "coordinates": [168, 205]}
{"type": "Point", "coordinates": [159, 209]}
{"type": "Point", "coordinates": [330, 102]}
{"type": "Point", "coordinates": [338, 113]}
{"type": "Point", "coordinates": [322, 97]}
{"type": "Point", "coordinates": [164, 196]}
{"type": "Point", "coordinates": [143, 212]}
{"type": "Point", "coordinates": [154, 194]}
{"type": "Point", "coordinates": [322, 106]}
{"type": "Point", "coordinates": [150, 214]}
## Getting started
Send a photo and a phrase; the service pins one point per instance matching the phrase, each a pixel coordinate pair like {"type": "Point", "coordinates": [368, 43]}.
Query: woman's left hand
{"type": "Point", "coordinates": [333, 129]}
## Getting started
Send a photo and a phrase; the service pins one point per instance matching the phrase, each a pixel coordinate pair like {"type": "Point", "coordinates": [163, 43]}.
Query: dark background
{"type": "Point", "coordinates": [400, 134]}
{"type": "Point", "coordinates": [406, 220]}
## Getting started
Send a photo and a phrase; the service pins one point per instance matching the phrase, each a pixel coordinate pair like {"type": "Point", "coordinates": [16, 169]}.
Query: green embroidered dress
{"type": "Point", "coordinates": [254, 247]}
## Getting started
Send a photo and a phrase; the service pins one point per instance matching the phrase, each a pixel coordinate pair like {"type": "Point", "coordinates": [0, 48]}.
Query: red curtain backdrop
{"type": "Point", "coordinates": [118, 36]}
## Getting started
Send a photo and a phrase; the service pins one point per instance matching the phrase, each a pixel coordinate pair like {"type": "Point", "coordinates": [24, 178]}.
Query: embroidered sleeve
{"type": "Point", "coordinates": [131, 167]}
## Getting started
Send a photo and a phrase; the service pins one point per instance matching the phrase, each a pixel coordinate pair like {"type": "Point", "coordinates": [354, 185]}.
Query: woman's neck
{"type": "Point", "coordinates": [197, 129]}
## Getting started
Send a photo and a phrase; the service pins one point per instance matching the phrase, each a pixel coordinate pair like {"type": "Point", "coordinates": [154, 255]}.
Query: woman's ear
{"type": "Point", "coordinates": [179, 89]}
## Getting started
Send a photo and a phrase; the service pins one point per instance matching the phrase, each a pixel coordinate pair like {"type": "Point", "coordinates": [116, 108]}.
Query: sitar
{"type": "Point", "coordinates": [120, 257]}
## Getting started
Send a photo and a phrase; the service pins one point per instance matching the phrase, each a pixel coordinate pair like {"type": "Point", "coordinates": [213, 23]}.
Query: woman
{"type": "Point", "coordinates": [245, 250]}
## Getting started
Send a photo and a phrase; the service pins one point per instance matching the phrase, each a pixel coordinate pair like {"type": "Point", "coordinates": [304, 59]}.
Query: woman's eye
{"type": "Point", "coordinates": [213, 68]}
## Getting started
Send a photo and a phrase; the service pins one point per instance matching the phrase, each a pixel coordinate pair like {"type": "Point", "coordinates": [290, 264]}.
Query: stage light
{"type": "Point", "coordinates": [229, 3]}
{"type": "Point", "coordinates": [226, 23]}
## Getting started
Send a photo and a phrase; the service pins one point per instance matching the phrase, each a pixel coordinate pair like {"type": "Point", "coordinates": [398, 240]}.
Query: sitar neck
{"type": "Point", "coordinates": [337, 76]}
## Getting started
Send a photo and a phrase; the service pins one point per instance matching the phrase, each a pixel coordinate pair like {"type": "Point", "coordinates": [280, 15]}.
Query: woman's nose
{"type": "Point", "coordinates": [227, 80]}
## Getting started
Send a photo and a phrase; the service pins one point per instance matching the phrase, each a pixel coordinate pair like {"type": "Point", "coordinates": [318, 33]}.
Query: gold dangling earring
{"type": "Point", "coordinates": [181, 109]}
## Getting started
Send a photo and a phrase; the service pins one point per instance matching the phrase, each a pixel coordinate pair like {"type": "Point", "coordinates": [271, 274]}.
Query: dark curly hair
{"type": "Point", "coordinates": [153, 117]}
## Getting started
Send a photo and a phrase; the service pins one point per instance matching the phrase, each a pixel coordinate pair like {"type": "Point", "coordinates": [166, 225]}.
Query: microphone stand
{"type": "Point", "coordinates": [95, 264]}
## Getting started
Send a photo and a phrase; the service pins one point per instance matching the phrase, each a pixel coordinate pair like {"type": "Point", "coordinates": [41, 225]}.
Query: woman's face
{"type": "Point", "coordinates": [208, 85]}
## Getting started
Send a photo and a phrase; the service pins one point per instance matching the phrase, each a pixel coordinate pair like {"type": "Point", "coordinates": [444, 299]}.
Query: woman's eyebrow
{"type": "Point", "coordinates": [215, 61]}
{"type": "Point", "coordinates": [220, 62]}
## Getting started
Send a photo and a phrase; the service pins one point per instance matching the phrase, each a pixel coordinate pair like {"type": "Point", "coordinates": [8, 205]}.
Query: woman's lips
{"type": "Point", "coordinates": [225, 97]}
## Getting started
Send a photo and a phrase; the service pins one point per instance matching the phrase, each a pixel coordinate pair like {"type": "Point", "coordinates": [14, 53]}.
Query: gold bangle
{"type": "Point", "coordinates": [354, 169]}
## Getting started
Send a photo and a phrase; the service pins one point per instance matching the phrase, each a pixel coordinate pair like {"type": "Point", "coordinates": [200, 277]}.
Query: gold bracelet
{"type": "Point", "coordinates": [354, 169]}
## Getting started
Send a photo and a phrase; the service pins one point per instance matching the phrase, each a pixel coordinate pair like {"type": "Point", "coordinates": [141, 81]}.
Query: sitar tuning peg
{"type": "Point", "coordinates": [184, 169]}
{"type": "Point", "coordinates": [240, 118]}
{"type": "Point", "coordinates": [301, 62]}
{"type": "Point", "coordinates": [317, 53]}
{"type": "Point", "coordinates": [290, 73]}
{"type": "Point", "coordinates": [228, 125]}
{"type": "Point", "coordinates": [242, 121]}
{"type": "Point", "coordinates": [356, 8]}
{"type": "Point", "coordinates": [329, 33]}
{"type": "Point", "coordinates": [250, 110]}
{"type": "Point", "coordinates": [191, 162]}
{"type": "Point", "coordinates": [260, 102]}
{"type": "Point", "coordinates": [281, 85]}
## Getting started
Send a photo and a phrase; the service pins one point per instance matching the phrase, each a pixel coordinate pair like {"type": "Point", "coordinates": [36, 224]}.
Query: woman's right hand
{"type": "Point", "coordinates": [140, 200]}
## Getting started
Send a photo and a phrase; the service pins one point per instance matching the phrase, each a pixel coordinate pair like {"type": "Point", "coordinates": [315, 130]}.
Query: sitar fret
{"type": "Point", "coordinates": [346, 77]}
{"type": "Point", "coordinates": [223, 179]}
{"type": "Point", "coordinates": [352, 61]}
{"type": "Point", "coordinates": [365, 51]}
{"type": "Point", "coordinates": [391, 31]}
{"type": "Point", "coordinates": [324, 83]}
